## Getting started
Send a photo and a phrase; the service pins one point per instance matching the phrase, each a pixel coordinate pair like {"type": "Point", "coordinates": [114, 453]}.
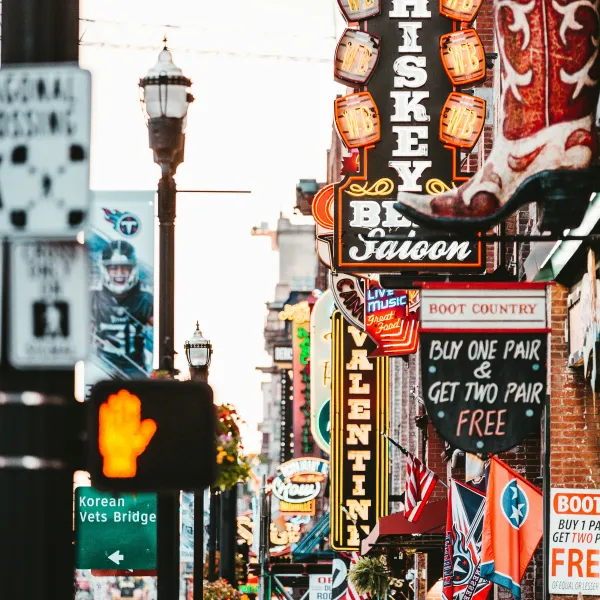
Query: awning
{"type": "Point", "coordinates": [396, 530]}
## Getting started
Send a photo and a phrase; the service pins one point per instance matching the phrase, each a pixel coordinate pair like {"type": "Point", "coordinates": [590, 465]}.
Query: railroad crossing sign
{"type": "Point", "coordinates": [45, 124]}
{"type": "Point", "coordinates": [114, 531]}
{"type": "Point", "coordinates": [49, 305]}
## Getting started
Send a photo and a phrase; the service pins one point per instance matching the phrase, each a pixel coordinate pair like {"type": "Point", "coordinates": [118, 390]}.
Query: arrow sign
{"type": "Point", "coordinates": [116, 557]}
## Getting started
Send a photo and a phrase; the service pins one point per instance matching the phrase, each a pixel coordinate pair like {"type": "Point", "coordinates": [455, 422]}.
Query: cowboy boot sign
{"type": "Point", "coordinates": [546, 148]}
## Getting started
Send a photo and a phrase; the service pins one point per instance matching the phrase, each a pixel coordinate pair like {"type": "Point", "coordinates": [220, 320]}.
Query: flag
{"type": "Point", "coordinates": [512, 526]}
{"type": "Point", "coordinates": [420, 482]}
{"type": "Point", "coordinates": [462, 550]}
{"type": "Point", "coordinates": [351, 593]}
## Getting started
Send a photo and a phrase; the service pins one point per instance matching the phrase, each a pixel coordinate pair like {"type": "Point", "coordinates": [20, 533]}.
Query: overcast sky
{"type": "Point", "coordinates": [262, 74]}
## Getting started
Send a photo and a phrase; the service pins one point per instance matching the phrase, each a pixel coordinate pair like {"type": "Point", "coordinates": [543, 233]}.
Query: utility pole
{"type": "Point", "coordinates": [228, 535]}
{"type": "Point", "coordinates": [38, 431]}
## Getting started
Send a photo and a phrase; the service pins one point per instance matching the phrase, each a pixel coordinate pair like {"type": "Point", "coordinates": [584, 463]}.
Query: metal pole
{"type": "Point", "coordinates": [36, 494]}
{"type": "Point", "coordinates": [167, 527]}
{"type": "Point", "coordinates": [198, 544]}
{"type": "Point", "coordinates": [261, 542]}
{"type": "Point", "coordinates": [546, 487]}
{"type": "Point", "coordinates": [212, 535]}
{"type": "Point", "coordinates": [228, 535]}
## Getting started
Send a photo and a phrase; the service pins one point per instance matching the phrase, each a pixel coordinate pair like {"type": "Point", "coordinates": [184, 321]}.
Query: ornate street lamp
{"type": "Point", "coordinates": [198, 352]}
{"type": "Point", "coordinates": [165, 98]}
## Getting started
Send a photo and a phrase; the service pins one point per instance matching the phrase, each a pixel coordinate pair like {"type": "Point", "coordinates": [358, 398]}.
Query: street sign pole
{"type": "Point", "coordinates": [38, 413]}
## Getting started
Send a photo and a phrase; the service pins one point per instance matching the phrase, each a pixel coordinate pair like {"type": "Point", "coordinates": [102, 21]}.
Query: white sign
{"type": "Point", "coordinates": [320, 587]}
{"type": "Point", "coordinates": [49, 304]}
{"type": "Point", "coordinates": [575, 542]}
{"type": "Point", "coordinates": [45, 121]}
{"type": "Point", "coordinates": [480, 307]}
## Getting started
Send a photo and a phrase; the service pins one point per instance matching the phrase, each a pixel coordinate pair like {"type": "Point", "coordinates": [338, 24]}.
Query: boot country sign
{"type": "Point", "coordinates": [484, 356]}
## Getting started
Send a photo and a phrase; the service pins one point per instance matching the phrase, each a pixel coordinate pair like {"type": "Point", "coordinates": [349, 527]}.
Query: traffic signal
{"type": "Point", "coordinates": [149, 436]}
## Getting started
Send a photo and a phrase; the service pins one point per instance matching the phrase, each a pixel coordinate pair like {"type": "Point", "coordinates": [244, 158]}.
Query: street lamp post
{"type": "Point", "coordinates": [165, 100]}
{"type": "Point", "coordinates": [198, 352]}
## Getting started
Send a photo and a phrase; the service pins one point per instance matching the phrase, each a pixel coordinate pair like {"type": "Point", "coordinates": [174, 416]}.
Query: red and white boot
{"type": "Point", "coordinates": [546, 148]}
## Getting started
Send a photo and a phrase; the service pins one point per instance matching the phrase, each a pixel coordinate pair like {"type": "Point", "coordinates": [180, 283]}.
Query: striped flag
{"type": "Point", "coordinates": [420, 482]}
{"type": "Point", "coordinates": [351, 593]}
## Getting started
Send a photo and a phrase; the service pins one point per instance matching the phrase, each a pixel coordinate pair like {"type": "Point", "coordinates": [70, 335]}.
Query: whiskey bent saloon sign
{"type": "Point", "coordinates": [398, 121]}
{"type": "Point", "coordinates": [359, 453]}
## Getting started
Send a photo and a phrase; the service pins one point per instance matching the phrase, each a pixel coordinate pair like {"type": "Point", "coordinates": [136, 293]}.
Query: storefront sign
{"type": "Point", "coordinates": [392, 319]}
{"type": "Point", "coordinates": [304, 508]}
{"type": "Point", "coordinates": [575, 542]}
{"type": "Point", "coordinates": [484, 392]}
{"type": "Point", "coordinates": [299, 481]}
{"type": "Point", "coordinates": [463, 117]}
{"type": "Point", "coordinates": [320, 366]}
{"type": "Point", "coordinates": [359, 453]}
{"type": "Point", "coordinates": [408, 89]}
{"type": "Point", "coordinates": [349, 296]}
{"type": "Point", "coordinates": [320, 587]}
{"type": "Point", "coordinates": [355, 57]}
{"type": "Point", "coordinates": [463, 56]}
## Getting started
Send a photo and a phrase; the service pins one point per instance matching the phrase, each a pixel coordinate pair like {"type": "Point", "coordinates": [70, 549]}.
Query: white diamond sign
{"type": "Point", "coordinates": [45, 121]}
{"type": "Point", "coordinates": [49, 311]}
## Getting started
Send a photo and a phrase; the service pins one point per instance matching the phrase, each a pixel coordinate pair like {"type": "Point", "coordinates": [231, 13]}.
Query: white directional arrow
{"type": "Point", "coordinates": [116, 557]}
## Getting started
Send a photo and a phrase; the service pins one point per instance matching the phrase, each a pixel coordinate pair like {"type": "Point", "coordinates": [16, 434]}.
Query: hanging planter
{"type": "Point", "coordinates": [371, 576]}
{"type": "Point", "coordinates": [232, 465]}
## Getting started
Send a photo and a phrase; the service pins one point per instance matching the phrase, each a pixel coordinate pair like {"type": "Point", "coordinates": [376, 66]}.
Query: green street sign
{"type": "Point", "coordinates": [114, 531]}
{"type": "Point", "coordinates": [324, 422]}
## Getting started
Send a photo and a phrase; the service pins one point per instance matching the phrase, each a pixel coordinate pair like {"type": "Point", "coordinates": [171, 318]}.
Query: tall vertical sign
{"type": "Point", "coordinates": [121, 245]}
{"type": "Point", "coordinates": [359, 453]}
{"type": "Point", "coordinates": [394, 120]}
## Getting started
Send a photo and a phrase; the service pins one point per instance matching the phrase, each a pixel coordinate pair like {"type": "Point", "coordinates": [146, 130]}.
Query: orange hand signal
{"type": "Point", "coordinates": [122, 435]}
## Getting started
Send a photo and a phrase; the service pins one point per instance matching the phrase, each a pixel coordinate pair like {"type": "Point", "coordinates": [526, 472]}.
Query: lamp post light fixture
{"type": "Point", "coordinates": [198, 352]}
{"type": "Point", "coordinates": [165, 99]}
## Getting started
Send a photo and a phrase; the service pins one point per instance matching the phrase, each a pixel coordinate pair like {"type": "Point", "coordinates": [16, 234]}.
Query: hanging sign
{"type": "Point", "coordinates": [463, 117]}
{"type": "Point", "coordinates": [320, 368]}
{"type": "Point", "coordinates": [407, 89]}
{"type": "Point", "coordinates": [359, 453]}
{"type": "Point", "coordinates": [349, 296]}
{"type": "Point", "coordinates": [298, 482]}
{"type": "Point", "coordinates": [484, 355]}
{"type": "Point", "coordinates": [463, 56]}
{"type": "Point", "coordinates": [460, 10]}
{"type": "Point", "coordinates": [392, 319]}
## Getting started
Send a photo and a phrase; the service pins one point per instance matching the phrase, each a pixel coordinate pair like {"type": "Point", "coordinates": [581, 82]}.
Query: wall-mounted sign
{"type": "Point", "coordinates": [460, 10]}
{"type": "Point", "coordinates": [392, 319]}
{"type": "Point", "coordinates": [409, 87]}
{"type": "Point", "coordinates": [357, 119]}
{"type": "Point", "coordinates": [484, 392]}
{"type": "Point", "coordinates": [463, 56]}
{"type": "Point", "coordinates": [282, 354]}
{"type": "Point", "coordinates": [300, 480]}
{"type": "Point", "coordinates": [320, 367]}
{"type": "Point", "coordinates": [484, 355]}
{"type": "Point", "coordinates": [357, 10]}
{"type": "Point", "coordinates": [322, 210]}
{"type": "Point", "coordinates": [574, 542]}
{"type": "Point", "coordinates": [349, 296]}
{"type": "Point", "coordinates": [355, 57]}
{"type": "Point", "coordinates": [299, 508]}
{"type": "Point", "coordinates": [359, 453]}
{"type": "Point", "coordinates": [463, 117]}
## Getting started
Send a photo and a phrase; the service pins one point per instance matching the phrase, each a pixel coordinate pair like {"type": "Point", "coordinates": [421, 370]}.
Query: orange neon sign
{"type": "Point", "coordinates": [460, 10]}
{"type": "Point", "coordinates": [122, 435]}
{"type": "Point", "coordinates": [357, 119]}
{"type": "Point", "coordinates": [463, 117]}
{"type": "Point", "coordinates": [463, 56]}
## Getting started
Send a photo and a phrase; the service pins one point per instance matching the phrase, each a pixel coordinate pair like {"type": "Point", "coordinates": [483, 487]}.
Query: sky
{"type": "Point", "coordinates": [262, 73]}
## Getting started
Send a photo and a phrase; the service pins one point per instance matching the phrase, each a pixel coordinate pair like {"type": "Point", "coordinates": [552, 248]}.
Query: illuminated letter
{"type": "Point", "coordinates": [411, 71]}
{"type": "Point", "coordinates": [406, 103]}
{"type": "Point", "coordinates": [358, 509]}
{"type": "Point", "coordinates": [359, 361]}
{"type": "Point", "coordinates": [350, 56]}
{"type": "Point", "coordinates": [358, 490]}
{"type": "Point", "coordinates": [365, 213]}
{"type": "Point", "coordinates": [359, 457]}
{"type": "Point", "coordinates": [359, 407]}
{"type": "Point", "coordinates": [358, 336]}
{"type": "Point", "coordinates": [410, 35]}
{"type": "Point", "coordinates": [410, 172]}
{"type": "Point", "coordinates": [358, 433]}
{"type": "Point", "coordinates": [419, 9]}
{"type": "Point", "coordinates": [407, 136]}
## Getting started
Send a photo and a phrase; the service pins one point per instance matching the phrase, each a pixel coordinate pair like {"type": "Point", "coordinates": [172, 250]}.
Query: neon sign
{"type": "Point", "coordinates": [463, 56]}
{"type": "Point", "coordinates": [357, 119]}
{"type": "Point", "coordinates": [356, 56]}
{"type": "Point", "coordinates": [463, 117]}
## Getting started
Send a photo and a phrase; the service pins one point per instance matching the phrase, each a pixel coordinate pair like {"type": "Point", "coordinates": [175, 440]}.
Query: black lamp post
{"type": "Point", "coordinates": [165, 100]}
{"type": "Point", "coordinates": [198, 352]}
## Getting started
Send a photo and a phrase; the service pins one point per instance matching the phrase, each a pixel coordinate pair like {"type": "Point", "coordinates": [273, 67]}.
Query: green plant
{"type": "Point", "coordinates": [370, 575]}
{"type": "Point", "coordinates": [233, 465]}
{"type": "Point", "coordinates": [220, 590]}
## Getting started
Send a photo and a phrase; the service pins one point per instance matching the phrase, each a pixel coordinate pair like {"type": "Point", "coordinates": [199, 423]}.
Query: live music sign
{"type": "Point", "coordinates": [484, 355]}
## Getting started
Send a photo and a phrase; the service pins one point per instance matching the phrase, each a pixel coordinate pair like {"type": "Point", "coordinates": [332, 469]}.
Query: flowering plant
{"type": "Point", "coordinates": [220, 590]}
{"type": "Point", "coordinates": [233, 466]}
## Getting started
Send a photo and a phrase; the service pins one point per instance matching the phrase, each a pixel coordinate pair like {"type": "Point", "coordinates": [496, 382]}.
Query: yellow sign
{"type": "Point", "coordinates": [306, 508]}
{"type": "Point", "coordinates": [122, 435]}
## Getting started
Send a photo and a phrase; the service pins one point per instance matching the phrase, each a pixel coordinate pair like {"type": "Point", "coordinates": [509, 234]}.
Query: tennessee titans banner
{"type": "Point", "coordinates": [462, 552]}
{"type": "Point", "coordinates": [120, 239]}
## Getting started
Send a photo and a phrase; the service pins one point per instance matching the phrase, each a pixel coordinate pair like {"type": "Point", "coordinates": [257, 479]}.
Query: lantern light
{"type": "Point", "coordinates": [198, 350]}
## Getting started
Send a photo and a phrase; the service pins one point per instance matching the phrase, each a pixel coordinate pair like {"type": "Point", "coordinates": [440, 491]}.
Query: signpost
{"type": "Point", "coordinates": [114, 531]}
{"type": "Point", "coordinates": [50, 304]}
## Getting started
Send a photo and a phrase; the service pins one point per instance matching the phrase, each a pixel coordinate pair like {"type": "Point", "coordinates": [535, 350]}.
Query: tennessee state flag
{"type": "Point", "coordinates": [512, 526]}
